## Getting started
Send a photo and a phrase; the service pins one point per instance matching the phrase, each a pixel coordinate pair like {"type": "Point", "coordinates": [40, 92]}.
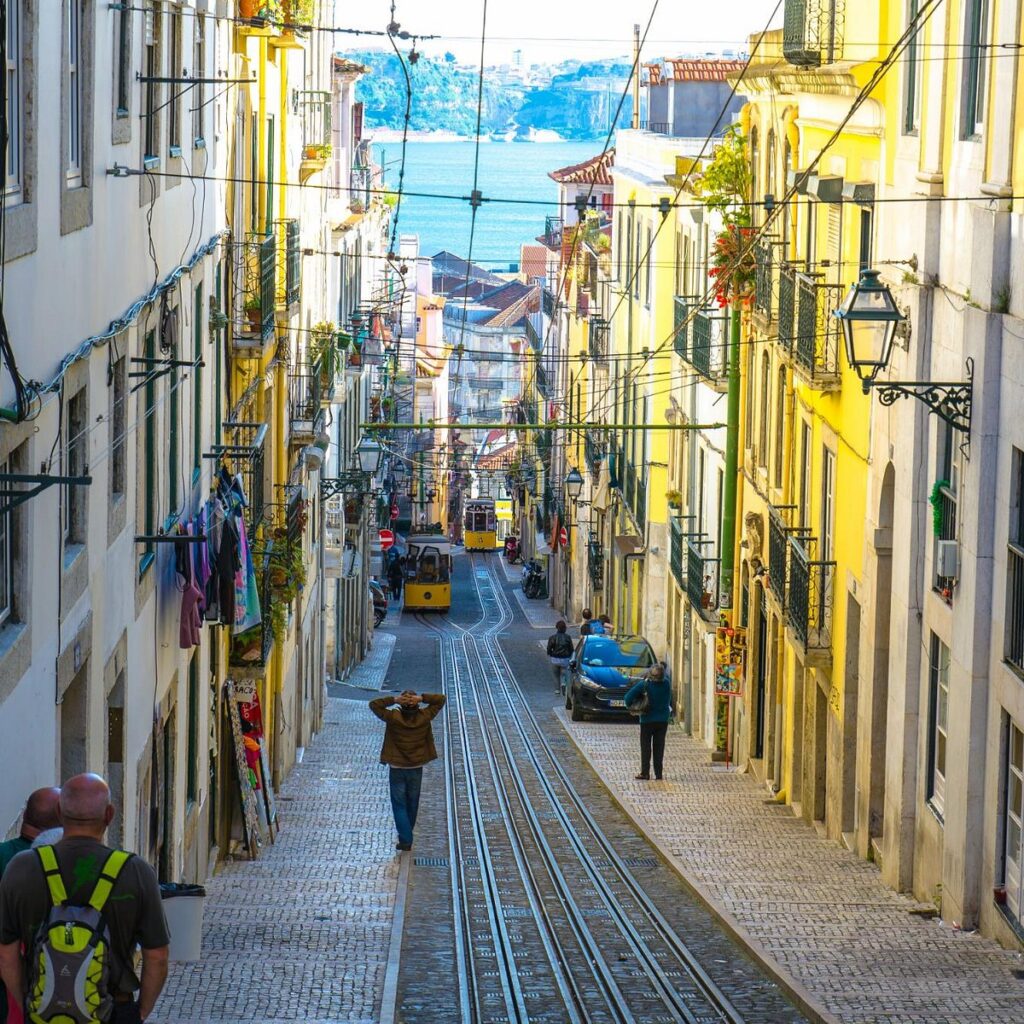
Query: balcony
{"type": "Point", "coordinates": [708, 348]}
{"type": "Point", "coordinates": [681, 326]}
{"type": "Point", "coordinates": [640, 506]}
{"type": "Point", "coordinates": [1013, 642]}
{"type": "Point", "coordinates": [702, 579]}
{"type": "Point", "coordinates": [255, 268]}
{"type": "Point", "coordinates": [547, 301]}
{"type": "Point", "coordinates": [243, 454]}
{"type": "Point", "coordinates": [811, 586]}
{"type": "Point", "coordinates": [553, 232]}
{"type": "Point", "coordinates": [595, 563]}
{"type": "Point", "coordinates": [763, 266]}
{"type": "Point", "coordinates": [778, 552]}
{"type": "Point", "coordinates": [787, 304]}
{"type": "Point", "coordinates": [360, 184]}
{"type": "Point", "coordinates": [675, 560]}
{"type": "Point", "coordinates": [313, 108]}
{"type": "Point", "coordinates": [593, 451]}
{"type": "Point", "coordinates": [816, 334]}
{"type": "Point", "coordinates": [812, 32]}
{"type": "Point", "coordinates": [945, 511]}
{"type": "Point", "coordinates": [305, 404]}
{"type": "Point", "coordinates": [544, 381]}
{"type": "Point", "coordinates": [657, 127]}
{"type": "Point", "coordinates": [289, 263]}
{"type": "Point", "coordinates": [598, 337]}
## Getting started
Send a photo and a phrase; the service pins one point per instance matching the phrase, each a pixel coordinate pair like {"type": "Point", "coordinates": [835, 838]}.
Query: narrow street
{"type": "Point", "coordinates": [533, 893]}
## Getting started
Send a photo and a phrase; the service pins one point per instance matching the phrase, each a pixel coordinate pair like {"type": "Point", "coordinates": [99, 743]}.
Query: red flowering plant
{"type": "Point", "coordinates": [732, 266]}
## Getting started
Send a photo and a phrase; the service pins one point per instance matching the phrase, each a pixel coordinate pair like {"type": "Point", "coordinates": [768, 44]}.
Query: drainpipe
{"type": "Point", "coordinates": [727, 551]}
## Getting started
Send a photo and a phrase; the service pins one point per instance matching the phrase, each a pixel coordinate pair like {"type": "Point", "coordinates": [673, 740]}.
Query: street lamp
{"type": "Point", "coordinates": [574, 484]}
{"type": "Point", "coordinates": [869, 317]}
{"type": "Point", "coordinates": [369, 454]}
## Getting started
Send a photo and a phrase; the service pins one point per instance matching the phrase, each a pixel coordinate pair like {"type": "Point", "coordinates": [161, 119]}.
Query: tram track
{"type": "Point", "coordinates": [585, 931]}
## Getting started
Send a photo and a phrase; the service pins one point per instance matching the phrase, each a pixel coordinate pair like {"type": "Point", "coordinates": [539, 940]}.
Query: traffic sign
{"type": "Point", "coordinates": [394, 512]}
{"type": "Point", "coordinates": [387, 540]}
{"type": "Point", "coordinates": [563, 538]}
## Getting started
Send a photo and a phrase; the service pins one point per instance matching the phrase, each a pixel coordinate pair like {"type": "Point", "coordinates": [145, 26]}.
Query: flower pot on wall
{"type": "Point", "coordinates": [249, 8]}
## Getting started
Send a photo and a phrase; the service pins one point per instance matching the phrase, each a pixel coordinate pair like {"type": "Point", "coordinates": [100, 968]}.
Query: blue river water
{"type": "Point", "coordinates": [508, 170]}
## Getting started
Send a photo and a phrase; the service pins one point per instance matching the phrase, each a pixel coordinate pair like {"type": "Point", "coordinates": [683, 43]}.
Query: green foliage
{"type": "Point", "coordinates": [725, 182]}
{"type": "Point", "coordinates": [935, 500]}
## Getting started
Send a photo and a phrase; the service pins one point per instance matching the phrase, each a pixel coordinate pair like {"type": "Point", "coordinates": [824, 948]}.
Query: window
{"type": "Point", "coordinates": [780, 423]}
{"type": "Point", "coordinates": [76, 436]}
{"type": "Point", "coordinates": [766, 410]}
{"type": "Point", "coordinates": [117, 427]}
{"type": "Point", "coordinates": [198, 92]}
{"type": "Point", "coordinates": [124, 59]}
{"type": "Point", "coordinates": [647, 269]}
{"type": "Point", "coordinates": [6, 558]}
{"type": "Point", "coordinates": [197, 381]}
{"type": "Point", "coordinates": [805, 474]}
{"type": "Point", "coordinates": [828, 504]}
{"type": "Point", "coordinates": [755, 177]}
{"type": "Point", "coordinates": [192, 761]}
{"type": "Point", "coordinates": [912, 69]}
{"type": "Point", "coordinates": [254, 174]}
{"type": "Point", "coordinates": [73, 169]}
{"type": "Point", "coordinates": [866, 231]}
{"type": "Point", "coordinates": [148, 476]}
{"type": "Point", "coordinates": [1013, 864]}
{"type": "Point", "coordinates": [175, 89]}
{"type": "Point", "coordinates": [973, 94]}
{"type": "Point", "coordinates": [151, 89]}
{"type": "Point", "coordinates": [1013, 640]}
{"type": "Point", "coordinates": [787, 166]}
{"type": "Point", "coordinates": [15, 122]}
{"type": "Point", "coordinates": [748, 419]}
{"type": "Point", "coordinates": [938, 724]}
{"type": "Point", "coordinates": [769, 165]}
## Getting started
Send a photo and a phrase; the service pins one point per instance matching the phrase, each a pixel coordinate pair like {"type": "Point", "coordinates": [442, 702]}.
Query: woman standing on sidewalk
{"type": "Point", "coordinates": [654, 721]}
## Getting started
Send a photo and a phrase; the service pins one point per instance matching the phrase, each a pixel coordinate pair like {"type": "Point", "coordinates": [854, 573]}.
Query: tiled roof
{"type": "Point", "coordinates": [533, 259]}
{"type": "Point", "coordinates": [344, 64]}
{"type": "Point", "coordinates": [593, 171]}
{"type": "Point", "coordinates": [517, 312]}
{"type": "Point", "coordinates": [704, 69]}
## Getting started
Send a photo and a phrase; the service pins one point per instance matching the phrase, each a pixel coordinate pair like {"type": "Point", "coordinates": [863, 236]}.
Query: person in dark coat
{"type": "Point", "coordinates": [396, 576]}
{"type": "Point", "coordinates": [653, 723]}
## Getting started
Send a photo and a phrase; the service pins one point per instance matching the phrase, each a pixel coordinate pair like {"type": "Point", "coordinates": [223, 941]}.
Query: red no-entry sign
{"type": "Point", "coordinates": [563, 538]}
{"type": "Point", "coordinates": [387, 539]}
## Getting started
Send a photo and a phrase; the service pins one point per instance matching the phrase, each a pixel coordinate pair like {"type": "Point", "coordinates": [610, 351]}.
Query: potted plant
{"type": "Point", "coordinates": [254, 312]}
{"type": "Point", "coordinates": [675, 499]}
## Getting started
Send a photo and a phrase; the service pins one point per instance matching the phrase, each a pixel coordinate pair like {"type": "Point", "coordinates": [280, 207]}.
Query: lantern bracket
{"type": "Point", "coordinates": [951, 401]}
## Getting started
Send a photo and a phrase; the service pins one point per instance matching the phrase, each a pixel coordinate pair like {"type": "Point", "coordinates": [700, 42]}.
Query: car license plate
{"type": "Point", "coordinates": [617, 703]}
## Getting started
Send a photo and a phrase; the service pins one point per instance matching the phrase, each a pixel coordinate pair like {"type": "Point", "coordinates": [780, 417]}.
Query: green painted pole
{"type": "Point", "coordinates": [732, 444]}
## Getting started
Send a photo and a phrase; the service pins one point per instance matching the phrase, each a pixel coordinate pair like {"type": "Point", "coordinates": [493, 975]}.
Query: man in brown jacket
{"type": "Point", "coordinates": [408, 746]}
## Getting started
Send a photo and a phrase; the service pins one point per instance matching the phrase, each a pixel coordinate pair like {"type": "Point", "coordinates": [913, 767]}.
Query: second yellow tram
{"type": "Point", "coordinates": [479, 525]}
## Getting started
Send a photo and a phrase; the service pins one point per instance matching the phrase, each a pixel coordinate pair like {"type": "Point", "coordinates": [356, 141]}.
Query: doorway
{"type": "Point", "coordinates": [74, 714]}
{"type": "Point", "coordinates": [115, 758]}
{"type": "Point", "coordinates": [761, 681]}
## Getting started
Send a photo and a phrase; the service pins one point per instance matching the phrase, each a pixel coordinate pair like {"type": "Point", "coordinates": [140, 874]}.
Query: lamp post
{"type": "Point", "coordinates": [869, 318]}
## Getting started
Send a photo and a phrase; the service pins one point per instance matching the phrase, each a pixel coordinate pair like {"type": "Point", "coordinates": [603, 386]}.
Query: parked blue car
{"type": "Point", "coordinates": [602, 669]}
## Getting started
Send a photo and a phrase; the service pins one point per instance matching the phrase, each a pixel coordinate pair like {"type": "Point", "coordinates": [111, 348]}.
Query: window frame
{"type": "Point", "coordinates": [7, 552]}
{"type": "Point", "coordinates": [781, 385]}
{"type": "Point", "coordinates": [73, 169]}
{"type": "Point", "coordinates": [977, 15]}
{"type": "Point", "coordinates": [14, 163]}
{"type": "Point", "coordinates": [198, 71]}
{"type": "Point", "coordinates": [938, 725]}
{"type": "Point", "coordinates": [118, 426]}
{"type": "Point", "coordinates": [151, 92]}
{"type": "Point", "coordinates": [75, 450]}
{"type": "Point", "coordinates": [913, 68]}
{"type": "Point", "coordinates": [176, 89]}
{"type": "Point", "coordinates": [1013, 825]}
{"type": "Point", "coordinates": [827, 512]}
{"type": "Point", "coordinates": [123, 67]}
{"type": "Point", "coordinates": [764, 420]}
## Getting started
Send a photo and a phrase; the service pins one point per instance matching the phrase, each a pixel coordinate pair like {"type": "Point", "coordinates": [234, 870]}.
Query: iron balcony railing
{"type": "Point", "coordinates": [531, 335]}
{"type": "Point", "coordinates": [630, 480]}
{"type": "Point", "coordinates": [763, 265]}
{"type": "Point", "coordinates": [816, 340]}
{"type": "Point", "coordinates": [314, 110]}
{"type": "Point", "coordinates": [553, 232]}
{"type": "Point", "coordinates": [593, 450]}
{"type": "Point", "coordinates": [709, 353]}
{"type": "Point", "coordinates": [682, 305]}
{"type": "Point", "coordinates": [811, 589]}
{"type": "Point", "coordinates": [787, 304]}
{"type": "Point", "coordinates": [244, 452]}
{"type": "Point", "coordinates": [595, 563]}
{"type": "Point", "coordinates": [599, 339]}
{"type": "Point", "coordinates": [702, 579]}
{"type": "Point", "coordinates": [305, 406]}
{"type": "Point", "coordinates": [543, 381]}
{"type": "Point", "coordinates": [945, 522]}
{"type": "Point", "coordinates": [257, 266]}
{"type": "Point", "coordinates": [360, 182]}
{"type": "Point", "coordinates": [1013, 643]}
{"type": "Point", "coordinates": [676, 563]}
{"type": "Point", "coordinates": [547, 301]}
{"type": "Point", "coordinates": [658, 127]}
{"type": "Point", "coordinates": [778, 550]}
{"type": "Point", "coordinates": [640, 508]}
{"type": "Point", "coordinates": [812, 32]}
{"type": "Point", "coordinates": [289, 262]}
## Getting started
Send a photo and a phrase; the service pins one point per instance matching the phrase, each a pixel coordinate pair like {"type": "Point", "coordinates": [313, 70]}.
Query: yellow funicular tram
{"type": "Point", "coordinates": [479, 525]}
{"type": "Point", "coordinates": [428, 573]}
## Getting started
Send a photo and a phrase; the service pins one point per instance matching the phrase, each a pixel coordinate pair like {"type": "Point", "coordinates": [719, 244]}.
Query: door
{"type": "Point", "coordinates": [762, 673]}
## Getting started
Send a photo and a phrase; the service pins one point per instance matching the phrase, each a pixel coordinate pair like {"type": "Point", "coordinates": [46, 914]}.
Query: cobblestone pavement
{"type": "Point", "coordinates": [304, 932]}
{"type": "Point", "coordinates": [818, 911]}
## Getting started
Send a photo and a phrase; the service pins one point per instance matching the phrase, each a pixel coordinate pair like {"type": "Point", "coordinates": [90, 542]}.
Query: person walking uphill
{"type": "Point", "coordinates": [72, 916]}
{"type": "Point", "coordinates": [559, 653]}
{"type": "Point", "coordinates": [653, 721]}
{"type": "Point", "coordinates": [408, 746]}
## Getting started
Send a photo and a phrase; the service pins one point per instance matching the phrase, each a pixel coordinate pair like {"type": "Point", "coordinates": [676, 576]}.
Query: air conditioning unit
{"type": "Point", "coordinates": [947, 559]}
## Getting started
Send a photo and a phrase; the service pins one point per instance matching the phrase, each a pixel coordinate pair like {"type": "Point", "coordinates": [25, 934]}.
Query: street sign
{"type": "Point", "coordinates": [394, 512]}
{"type": "Point", "coordinates": [387, 540]}
{"type": "Point", "coordinates": [563, 538]}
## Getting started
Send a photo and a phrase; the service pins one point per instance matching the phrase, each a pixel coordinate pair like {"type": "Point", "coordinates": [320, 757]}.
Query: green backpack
{"type": "Point", "coordinates": [70, 959]}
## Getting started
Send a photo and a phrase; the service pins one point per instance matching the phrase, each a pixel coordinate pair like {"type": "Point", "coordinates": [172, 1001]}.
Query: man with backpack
{"type": "Point", "coordinates": [72, 916]}
{"type": "Point", "coordinates": [559, 652]}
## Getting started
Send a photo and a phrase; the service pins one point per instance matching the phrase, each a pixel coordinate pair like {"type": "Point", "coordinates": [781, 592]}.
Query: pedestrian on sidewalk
{"type": "Point", "coordinates": [408, 746]}
{"type": "Point", "coordinates": [586, 627]}
{"type": "Point", "coordinates": [654, 721]}
{"type": "Point", "coordinates": [39, 818]}
{"type": "Point", "coordinates": [77, 885]}
{"type": "Point", "coordinates": [396, 576]}
{"type": "Point", "coordinates": [559, 653]}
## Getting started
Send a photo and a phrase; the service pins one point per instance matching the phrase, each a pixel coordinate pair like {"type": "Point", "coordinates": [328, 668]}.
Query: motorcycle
{"type": "Point", "coordinates": [535, 582]}
{"type": "Point", "coordinates": [512, 552]}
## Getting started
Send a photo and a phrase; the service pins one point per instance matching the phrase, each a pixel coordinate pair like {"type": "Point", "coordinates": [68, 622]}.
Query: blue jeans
{"type": "Point", "coordinates": [405, 799]}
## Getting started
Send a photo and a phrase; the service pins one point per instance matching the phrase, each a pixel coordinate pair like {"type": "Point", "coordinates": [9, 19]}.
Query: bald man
{"type": "Point", "coordinates": [40, 815]}
{"type": "Point", "coordinates": [133, 911]}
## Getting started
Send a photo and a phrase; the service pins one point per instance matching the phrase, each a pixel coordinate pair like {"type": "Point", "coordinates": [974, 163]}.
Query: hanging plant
{"type": "Point", "coordinates": [733, 268]}
{"type": "Point", "coordinates": [935, 500]}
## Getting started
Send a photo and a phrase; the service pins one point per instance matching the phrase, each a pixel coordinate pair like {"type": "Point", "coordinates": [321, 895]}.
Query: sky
{"type": "Point", "coordinates": [549, 31]}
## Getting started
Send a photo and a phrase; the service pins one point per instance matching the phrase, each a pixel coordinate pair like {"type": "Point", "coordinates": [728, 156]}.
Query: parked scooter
{"type": "Point", "coordinates": [512, 552]}
{"type": "Point", "coordinates": [535, 583]}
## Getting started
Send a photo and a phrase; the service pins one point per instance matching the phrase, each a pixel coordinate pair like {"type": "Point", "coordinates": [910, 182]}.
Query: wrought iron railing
{"type": "Point", "coordinates": [543, 381]}
{"type": "Point", "coordinates": [244, 453]}
{"type": "Point", "coordinates": [816, 341]}
{"type": "Point", "coordinates": [708, 348]}
{"type": "Point", "coordinates": [314, 110]}
{"type": "Point", "coordinates": [1013, 642]}
{"type": "Point", "coordinates": [599, 339]}
{"type": "Point", "coordinates": [811, 587]}
{"type": "Point", "coordinates": [593, 450]}
{"type": "Point", "coordinates": [658, 127]}
{"type": "Point", "coordinates": [945, 529]}
{"type": "Point", "coordinates": [812, 32]}
{"type": "Point", "coordinates": [257, 258]}
{"type": "Point", "coordinates": [553, 231]}
{"type": "Point", "coordinates": [676, 563]}
{"type": "Point", "coordinates": [289, 262]}
{"type": "Point", "coordinates": [763, 265]}
{"type": "Point", "coordinates": [595, 563]}
{"type": "Point", "coordinates": [682, 305]}
{"type": "Point", "coordinates": [702, 579]}
{"type": "Point", "coordinates": [778, 552]}
{"type": "Point", "coordinates": [630, 481]}
{"type": "Point", "coordinates": [787, 304]}
{"type": "Point", "coordinates": [305, 409]}
{"type": "Point", "coordinates": [547, 301]}
{"type": "Point", "coordinates": [360, 182]}
{"type": "Point", "coordinates": [640, 508]}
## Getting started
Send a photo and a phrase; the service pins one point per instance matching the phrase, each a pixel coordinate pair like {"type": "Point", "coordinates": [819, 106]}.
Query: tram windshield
{"type": "Point", "coordinates": [428, 564]}
{"type": "Point", "coordinates": [480, 518]}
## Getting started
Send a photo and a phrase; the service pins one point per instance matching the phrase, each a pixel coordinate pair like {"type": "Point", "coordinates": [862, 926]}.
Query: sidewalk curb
{"type": "Point", "coordinates": [801, 996]}
{"type": "Point", "coordinates": [389, 995]}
